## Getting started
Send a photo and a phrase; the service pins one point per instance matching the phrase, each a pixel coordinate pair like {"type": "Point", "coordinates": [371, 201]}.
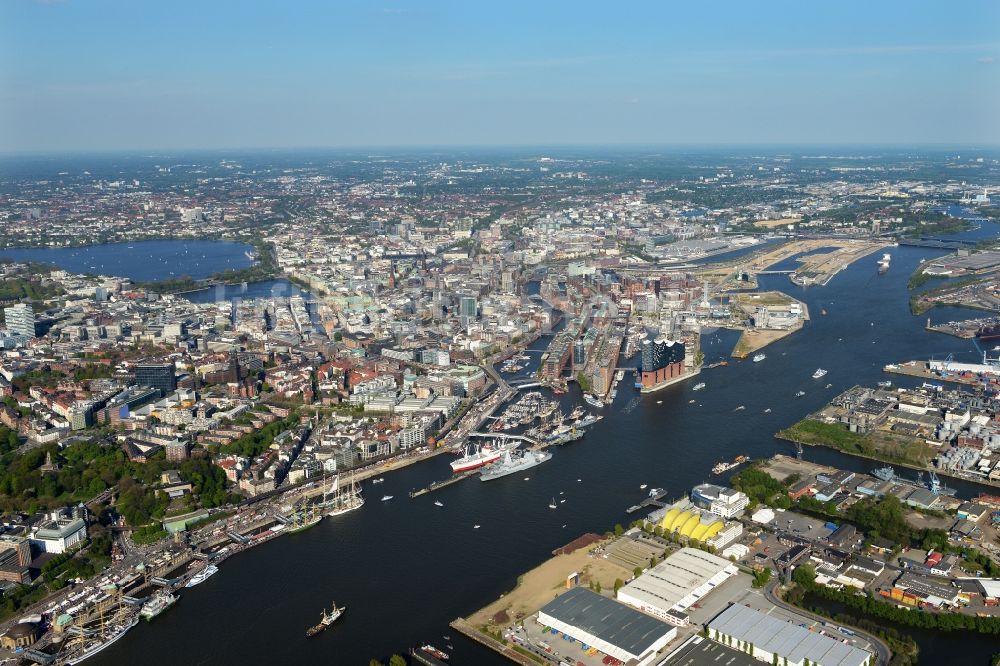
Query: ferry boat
{"type": "Point", "coordinates": [202, 575]}
{"type": "Point", "coordinates": [699, 386]}
{"type": "Point", "coordinates": [883, 263]}
{"type": "Point", "coordinates": [511, 464]}
{"type": "Point", "coordinates": [757, 358]}
{"type": "Point", "coordinates": [115, 634]}
{"type": "Point", "coordinates": [421, 654]}
{"type": "Point", "coordinates": [799, 394]}
{"type": "Point", "coordinates": [885, 384]}
{"type": "Point", "coordinates": [325, 621]}
{"type": "Point", "coordinates": [157, 604]}
{"type": "Point", "coordinates": [592, 400]}
{"type": "Point", "coordinates": [820, 372]}
{"type": "Point", "coordinates": [475, 457]}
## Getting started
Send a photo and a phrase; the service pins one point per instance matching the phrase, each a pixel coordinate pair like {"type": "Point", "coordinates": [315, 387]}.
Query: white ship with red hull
{"type": "Point", "coordinates": [479, 456]}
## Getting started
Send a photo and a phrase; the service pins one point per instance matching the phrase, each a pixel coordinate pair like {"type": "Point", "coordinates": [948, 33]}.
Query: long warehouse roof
{"type": "Point", "coordinates": [605, 618]}
{"type": "Point", "coordinates": [786, 639]}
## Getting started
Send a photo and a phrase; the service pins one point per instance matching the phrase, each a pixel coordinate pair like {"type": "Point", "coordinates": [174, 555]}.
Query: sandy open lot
{"type": "Point", "coordinates": [546, 581]}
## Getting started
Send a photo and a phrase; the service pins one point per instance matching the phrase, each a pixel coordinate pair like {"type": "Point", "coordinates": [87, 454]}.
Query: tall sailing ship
{"type": "Point", "coordinates": [338, 500]}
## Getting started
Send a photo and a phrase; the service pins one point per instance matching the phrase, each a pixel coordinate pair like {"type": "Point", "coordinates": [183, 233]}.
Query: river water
{"type": "Point", "coordinates": [405, 568]}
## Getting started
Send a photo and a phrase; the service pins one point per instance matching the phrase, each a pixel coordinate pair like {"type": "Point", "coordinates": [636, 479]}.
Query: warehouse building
{"type": "Point", "coordinates": [772, 640]}
{"type": "Point", "coordinates": [677, 582]}
{"type": "Point", "coordinates": [603, 623]}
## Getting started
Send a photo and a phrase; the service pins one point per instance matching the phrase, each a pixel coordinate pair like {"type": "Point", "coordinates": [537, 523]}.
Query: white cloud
{"type": "Point", "coordinates": [985, 60]}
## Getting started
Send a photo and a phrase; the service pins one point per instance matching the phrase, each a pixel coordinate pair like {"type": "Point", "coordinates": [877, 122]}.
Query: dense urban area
{"type": "Point", "coordinates": [371, 313]}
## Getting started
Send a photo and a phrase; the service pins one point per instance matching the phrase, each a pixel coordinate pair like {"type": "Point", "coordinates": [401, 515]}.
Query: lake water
{"type": "Point", "coordinates": [142, 261]}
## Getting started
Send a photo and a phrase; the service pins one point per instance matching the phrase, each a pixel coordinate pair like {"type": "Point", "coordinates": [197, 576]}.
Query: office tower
{"type": "Point", "coordinates": [159, 376]}
{"type": "Point", "coordinates": [20, 319]}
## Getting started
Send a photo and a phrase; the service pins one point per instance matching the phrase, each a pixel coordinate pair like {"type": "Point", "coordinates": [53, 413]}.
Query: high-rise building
{"type": "Point", "coordinates": [20, 319]}
{"type": "Point", "coordinates": [662, 361]}
{"type": "Point", "coordinates": [159, 376]}
{"type": "Point", "coordinates": [468, 306]}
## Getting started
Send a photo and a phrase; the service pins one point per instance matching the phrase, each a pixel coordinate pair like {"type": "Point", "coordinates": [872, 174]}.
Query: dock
{"type": "Point", "coordinates": [921, 370]}
{"type": "Point", "coordinates": [443, 483]}
{"type": "Point", "coordinates": [653, 501]}
{"type": "Point", "coordinates": [463, 627]}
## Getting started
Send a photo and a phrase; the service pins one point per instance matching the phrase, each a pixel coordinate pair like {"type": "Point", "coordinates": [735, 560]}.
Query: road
{"type": "Point", "coordinates": [884, 653]}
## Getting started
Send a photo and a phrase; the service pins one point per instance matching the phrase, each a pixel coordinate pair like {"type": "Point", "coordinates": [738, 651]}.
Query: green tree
{"type": "Point", "coordinates": [804, 575]}
{"type": "Point", "coordinates": [396, 660]}
{"type": "Point", "coordinates": [619, 583]}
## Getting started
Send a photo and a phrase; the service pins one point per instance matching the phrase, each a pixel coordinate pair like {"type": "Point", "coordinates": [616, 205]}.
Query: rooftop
{"type": "Point", "coordinates": [607, 619]}
{"type": "Point", "coordinates": [785, 639]}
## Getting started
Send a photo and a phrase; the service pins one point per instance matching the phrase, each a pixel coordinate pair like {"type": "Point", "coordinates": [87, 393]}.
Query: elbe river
{"type": "Point", "coordinates": [405, 568]}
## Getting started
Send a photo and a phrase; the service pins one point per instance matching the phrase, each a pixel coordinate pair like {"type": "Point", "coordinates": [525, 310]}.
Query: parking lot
{"type": "Point", "coordinates": [562, 649]}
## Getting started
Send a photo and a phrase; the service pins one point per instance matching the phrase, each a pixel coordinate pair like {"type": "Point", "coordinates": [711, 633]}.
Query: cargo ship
{"type": "Point", "coordinates": [987, 333]}
{"type": "Point", "coordinates": [325, 621]}
{"type": "Point", "coordinates": [476, 457]}
{"type": "Point", "coordinates": [512, 463]}
{"type": "Point", "coordinates": [203, 575]}
{"type": "Point", "coordinates": [157, 604]}
{"type": "Point", "coordinates": [723, 467]}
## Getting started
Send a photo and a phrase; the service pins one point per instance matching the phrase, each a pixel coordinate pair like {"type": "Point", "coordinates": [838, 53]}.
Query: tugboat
{"type": "Point", "coordinates": [325, 621]}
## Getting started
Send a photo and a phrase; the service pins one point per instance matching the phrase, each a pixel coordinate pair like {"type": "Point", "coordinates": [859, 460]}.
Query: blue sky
{"type": "Point", "coordinates": [134, 74]}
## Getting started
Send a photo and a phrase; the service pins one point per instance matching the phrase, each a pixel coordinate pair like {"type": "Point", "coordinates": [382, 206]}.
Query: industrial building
{"type": "Point", "coordinates": [676, 583]}
{"type": "Point", "coordinates": [603, 623]}
{"type": "Point", "coordinates": [772, 640]}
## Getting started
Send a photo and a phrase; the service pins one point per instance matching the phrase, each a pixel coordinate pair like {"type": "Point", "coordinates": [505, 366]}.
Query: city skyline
{"type": "Point", "coordinates": [119, 77]}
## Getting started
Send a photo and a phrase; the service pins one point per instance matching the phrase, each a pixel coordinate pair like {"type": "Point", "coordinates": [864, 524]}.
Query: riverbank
{"type": "Point", "coordinates": [811, 432]}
